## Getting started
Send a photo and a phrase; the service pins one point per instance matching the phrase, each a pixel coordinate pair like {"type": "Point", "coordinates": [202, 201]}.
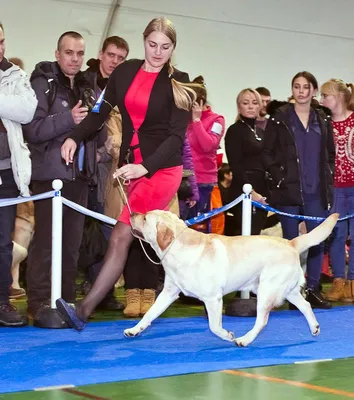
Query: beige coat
{"type": "Point", "coordinates": [114, 202]}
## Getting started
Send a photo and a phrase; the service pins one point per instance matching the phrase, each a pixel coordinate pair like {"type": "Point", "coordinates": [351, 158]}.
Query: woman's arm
{"type": "Point", "coordinates": [205, 140]}
{"type": "Point", "coordinates": [330, 146]}
{"type": "Point", "coordinates": [234, 153]}
{"type": "Point", "coordinates": [269, 152]}
{"type": "Point", "coordinates": [100, 112]}
{"type": "Point", "coordinates": [188, 165]}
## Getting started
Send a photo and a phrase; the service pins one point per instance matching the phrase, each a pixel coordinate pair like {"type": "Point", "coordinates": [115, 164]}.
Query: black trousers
{"type": "Point", "coordinates": [39, 258]}
{"type": "Point", "coordinates": [233, 225]}
{"type": "Point", "coordinates": [8, 189]}
{"type": "Point", "coordinates": [139, 272]}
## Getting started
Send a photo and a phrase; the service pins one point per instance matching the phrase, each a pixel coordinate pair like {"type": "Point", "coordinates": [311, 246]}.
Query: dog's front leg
{"type": "Point", "coordinates": [214, 308]}
{"type": "Point", "coordinates": [168, 295]}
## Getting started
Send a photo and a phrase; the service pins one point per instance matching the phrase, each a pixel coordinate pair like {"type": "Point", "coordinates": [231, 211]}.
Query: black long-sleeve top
{"type": "Point", "coordinates": [244, 149]}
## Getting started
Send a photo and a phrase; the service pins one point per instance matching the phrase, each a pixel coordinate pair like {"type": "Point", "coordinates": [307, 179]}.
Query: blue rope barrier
{"type": "Point", "coordinates": [203, 217]}
{"type": "Point", "coordinates": [299, 217]}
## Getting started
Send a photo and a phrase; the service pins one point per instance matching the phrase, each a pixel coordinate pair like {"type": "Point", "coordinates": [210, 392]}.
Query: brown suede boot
{"type": "Point", "coordinates": [336, 291]}
{"type": "Point", "coordinates": [348, 295]}
{"type": "Point", "coordinates": [133, 303]}
{"type": "Point", "coordinates": [147, 300]}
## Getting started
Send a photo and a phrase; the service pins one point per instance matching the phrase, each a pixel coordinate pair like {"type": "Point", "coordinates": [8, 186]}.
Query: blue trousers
{"type": "Point", "coordinates": [313, 207]}
{"type": "Point", "coordinates": [344, 205]}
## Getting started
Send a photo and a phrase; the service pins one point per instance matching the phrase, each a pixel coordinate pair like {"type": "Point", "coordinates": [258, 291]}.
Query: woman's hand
{"type": "Point", "coordinates": [130, 171]}
{"type": "Point", "coordinates": [68, 150]}
{"type": "Point", "coordinates": [197, 110]}
{"type": "Point", "coordinates": [258, 197]}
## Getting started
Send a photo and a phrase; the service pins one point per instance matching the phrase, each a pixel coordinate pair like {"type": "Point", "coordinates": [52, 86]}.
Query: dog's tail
{"type": "Point", "coordinates": [316, 236]}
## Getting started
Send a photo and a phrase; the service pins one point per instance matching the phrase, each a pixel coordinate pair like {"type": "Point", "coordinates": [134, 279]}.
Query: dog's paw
{"type": "Point", "coordinates": [132, 332]}
{"type": "Point", "coordinates": [316, 330]}
{"type": "Point", "coordinates": [231, 336]}
{"type": "Point", "coordinates": [242, 341]}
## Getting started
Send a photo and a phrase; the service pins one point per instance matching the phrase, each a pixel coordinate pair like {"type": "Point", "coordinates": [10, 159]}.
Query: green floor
{"type": "Point", "coordinates": [325, 380]}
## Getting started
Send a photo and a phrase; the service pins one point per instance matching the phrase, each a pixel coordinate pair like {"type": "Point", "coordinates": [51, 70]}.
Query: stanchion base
{"type": "Point", "coordinates": [49, 318]}
{"type": "Point", "coordinates": [242, 308]}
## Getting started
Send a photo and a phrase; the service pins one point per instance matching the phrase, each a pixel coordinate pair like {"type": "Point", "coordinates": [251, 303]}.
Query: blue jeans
{"type": "Point", "coordinates": [8, 189]}
{"type": "Point", "coordinates": [314, 208]}
{"type": "Point", "coordinates": [344, 205]}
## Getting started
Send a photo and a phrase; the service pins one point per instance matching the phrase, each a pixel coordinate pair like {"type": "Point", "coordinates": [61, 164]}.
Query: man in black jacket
{"type": "Point", "coordinates": [114, 51]}
{"type": "Point", "coordinates": [64, 98]}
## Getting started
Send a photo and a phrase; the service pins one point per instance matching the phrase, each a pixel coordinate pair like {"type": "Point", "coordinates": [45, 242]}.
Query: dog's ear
{"type": "Point", "coordinates": [164, 236]}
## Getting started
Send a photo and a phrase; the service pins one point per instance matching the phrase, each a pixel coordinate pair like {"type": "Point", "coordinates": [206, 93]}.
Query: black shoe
{"type": "Point", "coordinates": [32, 309]}
{"type": "Point", "coordinates": [9, 316]}
{"type": "Point", "coordinates": [111, 304]}
{"type": "Point", "coordinates": [292, 307]}
{"type": "Point", "coordinates": [83, 288]}
{"type": "Point", "coordinates": [314, 297]}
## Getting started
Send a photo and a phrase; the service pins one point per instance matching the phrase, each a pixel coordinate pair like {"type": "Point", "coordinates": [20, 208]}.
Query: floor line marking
{"type": "Point", "coordinates": [313, 361]}
{"type": "Point", "coordinates": [79, 393]}
{"type": "Point", "coordinates": [58, 387]}
{"type": "Point", "coordinates": [303, 385]}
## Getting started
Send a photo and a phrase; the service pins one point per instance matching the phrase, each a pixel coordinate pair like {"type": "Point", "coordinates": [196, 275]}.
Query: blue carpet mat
{"type": "Point", "coordinates": [33, 358]}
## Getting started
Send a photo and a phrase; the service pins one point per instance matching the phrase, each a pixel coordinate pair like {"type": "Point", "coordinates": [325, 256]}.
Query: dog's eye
{"type": "Point", "coordinates": [144, 218]}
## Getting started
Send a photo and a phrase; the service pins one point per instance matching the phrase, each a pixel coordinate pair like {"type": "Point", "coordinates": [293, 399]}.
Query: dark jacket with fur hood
{"type": "Point", "coordinates": [280, 158]}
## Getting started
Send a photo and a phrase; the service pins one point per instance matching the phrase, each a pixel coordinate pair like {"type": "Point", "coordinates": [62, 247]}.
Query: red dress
{"type": "Point", "coordinates": [155, 193]}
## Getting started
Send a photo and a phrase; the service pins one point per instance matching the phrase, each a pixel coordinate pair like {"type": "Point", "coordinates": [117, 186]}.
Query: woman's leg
{"type": "Point", "coordinates": [258, 221]}
{"type": "Point", "coordinates": [350, 210]}
{"type": "Point", "coordinates": [112, 268]}
{"type": "Point", "coordinates": [290, 226]}
{"type": "Point", "coordinates": [339, 235]}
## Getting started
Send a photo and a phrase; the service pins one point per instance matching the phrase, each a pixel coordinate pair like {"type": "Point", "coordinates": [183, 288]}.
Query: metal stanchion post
{"type": "Point", "coordinates": [48, 317]}
{"type": "Point", "coordinates": [245, 306]}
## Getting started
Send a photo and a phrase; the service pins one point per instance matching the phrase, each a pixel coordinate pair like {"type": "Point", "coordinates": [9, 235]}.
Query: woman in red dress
{"type": "Point", "coordinates": [155, 101]}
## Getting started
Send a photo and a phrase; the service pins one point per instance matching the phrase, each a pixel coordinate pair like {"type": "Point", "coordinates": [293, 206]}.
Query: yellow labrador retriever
{"type": "Point", "coordinates": [208, 266]}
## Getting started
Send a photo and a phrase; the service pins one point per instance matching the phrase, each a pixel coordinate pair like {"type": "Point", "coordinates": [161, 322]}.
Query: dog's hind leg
{"type": "Point", "coordinates": [304, 306]}
{"type": "Point", "coordinates": [168, 295]}
{"type": "Point", "coordinates": [266, 300]}
{"type": "Point", "coordinates": [214, 308]}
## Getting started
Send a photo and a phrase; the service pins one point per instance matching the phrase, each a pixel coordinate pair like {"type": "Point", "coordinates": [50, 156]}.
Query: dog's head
{"type": "Point", "coordinates": [158, 228]}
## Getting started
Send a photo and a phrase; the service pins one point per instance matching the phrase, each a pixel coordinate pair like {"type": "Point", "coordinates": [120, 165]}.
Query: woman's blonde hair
{"type": "Point", "coordinates": [183, 93]}
{"type": "Point", "coordinates": [240, 96]}
{"type": "Point", "coordinates": [337, 87]}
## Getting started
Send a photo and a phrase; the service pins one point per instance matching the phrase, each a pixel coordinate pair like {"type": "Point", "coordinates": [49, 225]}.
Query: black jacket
{"type": "Point", "coordinates": [244, 150]}
{"type": "Point", "coordinates": [51, 125]}
{"type": "Point", "coordinates": [162, 133]}
{"type": "Point", "coordinates": [280, 159]}
{"type": "Point", "coordinates": [93, 75]}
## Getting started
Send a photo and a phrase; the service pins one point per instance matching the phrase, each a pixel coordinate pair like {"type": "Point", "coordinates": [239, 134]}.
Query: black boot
{"type": "Point", "coordinates": [314, 297]}
{"type": "Point", "coordinates": [110, 303]}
